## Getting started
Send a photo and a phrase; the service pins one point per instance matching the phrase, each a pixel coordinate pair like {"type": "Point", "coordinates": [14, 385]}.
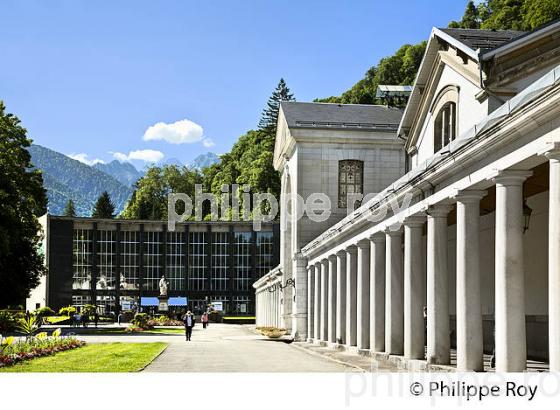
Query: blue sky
{"type": "Point", "coordinates": [91, 77]}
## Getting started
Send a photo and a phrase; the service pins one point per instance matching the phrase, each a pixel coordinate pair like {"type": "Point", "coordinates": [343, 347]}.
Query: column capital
{"type": "Point", "coordinates": [310, 267]}
{"type": "Point", "coordinates": [324, 260]}
{"type": "Point", "coordinates": [393, 230]}
{"type": "Point", "coordinates": [352, 249]}
{"type": "Point", "coordinates": [363, 243]}
{"type": "Point", "coordinates": [318, 265]}
{"type": "Point", "coordinates": [341, 253]}
{"type": "Point", "coordinates": [510, 177]}
{"type": "Point", "coordinates": [299, 257]}
{"type": "Point", "coordinates": [551, 151]}
{"type": "Point", "coordinates": [469, 195]}
{"type": "Point", "coordinates": [439, 210]}
{"type": "Point", "coordinates": [332, 257]}
{"type": "Point", "coordinates": [415, 221]}
{"type": "Point", "coordinates": [377, 237]}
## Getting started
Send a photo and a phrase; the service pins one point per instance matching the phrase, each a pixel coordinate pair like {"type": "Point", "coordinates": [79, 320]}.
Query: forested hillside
{"type": "Point", "coordinates": [401, 67]}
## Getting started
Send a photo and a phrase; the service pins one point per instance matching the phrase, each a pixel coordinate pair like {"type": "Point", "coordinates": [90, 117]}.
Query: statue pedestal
{"type": "Point", "coordinates": [163, 303]}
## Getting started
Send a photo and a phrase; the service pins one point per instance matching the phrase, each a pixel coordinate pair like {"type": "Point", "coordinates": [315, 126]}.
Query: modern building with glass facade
{"type": "Point", "coordinates": [117, 264]}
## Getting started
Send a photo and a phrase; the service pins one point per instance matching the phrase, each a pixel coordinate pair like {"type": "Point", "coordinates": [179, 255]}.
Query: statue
{"type": "Point", "coordinates": [163, 284]}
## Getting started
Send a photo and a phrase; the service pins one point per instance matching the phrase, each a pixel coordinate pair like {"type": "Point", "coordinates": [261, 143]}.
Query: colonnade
{"type": "Point", "coordinates": [370, 295]}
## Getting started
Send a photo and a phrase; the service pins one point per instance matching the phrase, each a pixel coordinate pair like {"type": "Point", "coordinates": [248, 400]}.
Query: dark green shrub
{"type": "Point", "coordinates": [44, 312]}
{"type": "Point", "coordinates": [7, 321]}
{"type": "Point", "coordinates": [141, 321]}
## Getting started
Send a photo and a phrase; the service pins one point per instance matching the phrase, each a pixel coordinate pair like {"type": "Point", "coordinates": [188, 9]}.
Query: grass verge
{"type": "Point", "coordinates": [92, 358]}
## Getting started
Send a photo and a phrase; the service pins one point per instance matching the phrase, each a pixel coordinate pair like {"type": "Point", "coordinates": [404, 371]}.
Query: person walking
{"type": "Point", "coordinates": [204, 319]}
{"type": "Point", "coordinates": [188, 320]}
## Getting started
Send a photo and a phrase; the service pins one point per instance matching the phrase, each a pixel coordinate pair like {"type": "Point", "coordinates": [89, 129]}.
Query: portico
{"type": "Point", "coordinates": [461, 252]}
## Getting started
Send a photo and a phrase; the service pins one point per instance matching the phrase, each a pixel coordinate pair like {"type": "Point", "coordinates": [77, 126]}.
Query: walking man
{"type": "Point", "coordinates": [188, 320]}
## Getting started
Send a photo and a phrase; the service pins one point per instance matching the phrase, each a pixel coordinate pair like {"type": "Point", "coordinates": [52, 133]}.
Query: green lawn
{"type": "Point", "coordinates": [102, 357]}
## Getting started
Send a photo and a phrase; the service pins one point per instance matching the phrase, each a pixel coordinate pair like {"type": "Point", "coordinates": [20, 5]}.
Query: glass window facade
{"type": "Point", "coordinates": [152, 260]}
{"type": "Point", "coordinates": [220, 258]}
{"type": "Point", "coordinates": [243, 244]}
{"type": "Point", "coordinates": [198, 255]}
{"type": "Point", "coordinates": [127, 263]}
{"type": "Point", "coordinates": [175, 265]}
{"type": "Point", "coordinates": [82, 259]}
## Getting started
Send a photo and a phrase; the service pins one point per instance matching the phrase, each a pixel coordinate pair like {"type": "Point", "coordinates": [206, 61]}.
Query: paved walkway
{"type": "Point", "coordinates": [236, 348]}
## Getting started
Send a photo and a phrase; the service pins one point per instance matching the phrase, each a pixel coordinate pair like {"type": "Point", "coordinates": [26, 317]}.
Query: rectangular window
{"type": "Point", "coordinates": [197, 261]}
{"type": "Point", "coordinates": [220, 244]}
{"type": "Point", "coordinates": [82, 259]}
{"type": "Point", "coordinates": [265, 253]}
{"type": "Point", "coordinates": [152, 260]}
{"type": "Point", "coordinates": [350, 180]}
{"type": "Point", "coordinates": [175, 269]}
{"type": "Point", "coordinates": [242, 260]}
{"type": "Point", "coordinates": [130, 260]}
{"type": "Point", "coordinates": [106, 256]}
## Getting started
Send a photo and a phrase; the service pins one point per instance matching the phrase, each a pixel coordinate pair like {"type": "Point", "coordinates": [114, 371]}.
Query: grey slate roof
{"type": "Point", "coordinates": [483, 39]}
{"type": "Point", "coordinates": [341, 116]}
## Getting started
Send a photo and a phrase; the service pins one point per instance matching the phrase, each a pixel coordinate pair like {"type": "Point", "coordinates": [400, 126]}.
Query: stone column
{"type": "Point", "coordinates": [469, 309]}
{"type": "Point", "coordinates": [511, 345]}
{"type": "Point", "coordinates": [310, 301]}
{"type": "Point", "coordinates": [340, 297]}
{"type": "Point", "coordinates": [299, 298]}
{"type": "Point", "coordinates": [377, 293]}
{"type": "Point", "coordinates": [362, 292]}
{"type": "Point", "coordinates": [554, 260]}
{"type": "Point", "coordinates": [317, 304]}
{"type": "Point", "coordinates": [351, 276]}
{"type": "Point", "coordinates": [437, 303]}
{"type": "Point", "coordinates": [331, 300]}
{"type": "Point", "coordinates": [394, 316]}
{"type": "Point", "coordinates": [413, 288]}
{"type": "Point", "coordinates": [324, 301]}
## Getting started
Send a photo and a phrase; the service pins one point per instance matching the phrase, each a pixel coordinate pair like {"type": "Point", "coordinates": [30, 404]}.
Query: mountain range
{"type": "Point", "coordinates": [66, 178]}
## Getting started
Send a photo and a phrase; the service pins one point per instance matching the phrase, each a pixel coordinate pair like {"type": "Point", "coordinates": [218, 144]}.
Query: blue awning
{"type": "Point", "coordinates": [149, 301]}
{"type": "Point", "coordinates": [154, 301]}
{"type": "Point", "coordinates": [178, 301]}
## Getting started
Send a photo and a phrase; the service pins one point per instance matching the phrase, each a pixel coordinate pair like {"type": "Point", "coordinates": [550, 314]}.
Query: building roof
{"type": "Point", "coordinates": [340, 116]}
{"type": "Point", "coordinates": [482, 39]}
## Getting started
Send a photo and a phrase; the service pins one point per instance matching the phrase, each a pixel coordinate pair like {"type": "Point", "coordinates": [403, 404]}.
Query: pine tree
{"type": "Point", "coordinates": [104, 208]}
{"type": "Point", "coordinates": [470, 18]}
{"type": "Point", "coordinates": [70, 209]}
{"type": "Point", "coordinates": [269, 116]}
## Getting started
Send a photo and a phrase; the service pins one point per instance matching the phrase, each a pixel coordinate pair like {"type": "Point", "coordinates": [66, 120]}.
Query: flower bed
{"type": "Point", "coordinates": [12, 352]}
{"type": "Point", "coordinates": [271, 332]}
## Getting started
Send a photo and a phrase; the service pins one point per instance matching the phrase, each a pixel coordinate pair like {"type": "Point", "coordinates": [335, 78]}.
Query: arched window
{"type": "Point", "coordinates": [350, 180]}
{"type": "Point", "coordinates": [445, 126]}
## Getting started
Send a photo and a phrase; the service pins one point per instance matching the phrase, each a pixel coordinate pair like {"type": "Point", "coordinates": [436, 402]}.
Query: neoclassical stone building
{"type": "Point", "coordinates": [472, 262]}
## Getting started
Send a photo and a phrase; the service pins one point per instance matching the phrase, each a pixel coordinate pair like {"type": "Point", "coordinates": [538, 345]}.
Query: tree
{"type": "Point", "coordinates": [269, 116]}
{"type": "Point", "coordinates": [22, 200]}
{"type": "Point", "coordinates": [470, 18]}
{"type": "Point", "coordinates": [104, 208]}
{"type": "Point", "coordinates": [149, 200]}
{"type": "Point", "coordinates": [539, 12]}
{"type": "Point", "coordinates": [70, 209]}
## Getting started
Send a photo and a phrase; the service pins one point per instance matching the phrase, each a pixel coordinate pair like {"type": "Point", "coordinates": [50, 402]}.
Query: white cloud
{"type": "Point", "coordinates": [146, 155]}
{"type": "Point", "coordinates": [84, 158]}
{"type": "Point", "coordinates": [180, 132]}
{"type": "Point", "coordinates": [207, 142]}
